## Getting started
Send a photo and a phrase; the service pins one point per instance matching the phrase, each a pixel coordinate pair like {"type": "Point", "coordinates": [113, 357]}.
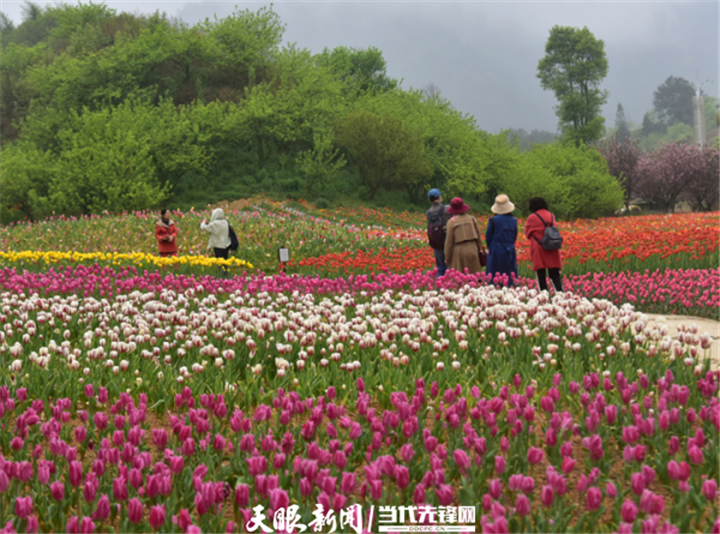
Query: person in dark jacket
{"type": "Point", "coordinates": [166, 235]}
{"type": "Point", "coordinates": [544, 262]}
{"type": "Point", "coordinates": [500, 237]}
{"type": "Point", "coordinates": [438, 214]}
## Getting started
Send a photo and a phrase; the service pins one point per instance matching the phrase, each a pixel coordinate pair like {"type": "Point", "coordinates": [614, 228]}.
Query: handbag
{"type": "Point", "coordinates": [483, 255]}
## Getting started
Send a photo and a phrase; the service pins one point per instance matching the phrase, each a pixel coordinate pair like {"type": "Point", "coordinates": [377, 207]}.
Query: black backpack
{"type": "Point", "coordinates": [234, 243]}
{"type": "Point", "coordinates": [552, 240]}
{"type": "Point", "coordinates": [436, 232]}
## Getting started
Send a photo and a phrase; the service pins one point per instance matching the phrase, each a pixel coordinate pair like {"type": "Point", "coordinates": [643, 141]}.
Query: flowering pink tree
{"type": "Point", "coordinates": [703, 183]}
{"type": "Point", "coordinates": [622, 159]}
{"type": "Point", "coordinates": [663, 175]}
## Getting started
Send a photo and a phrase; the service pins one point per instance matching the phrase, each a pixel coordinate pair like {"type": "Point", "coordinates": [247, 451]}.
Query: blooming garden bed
{"type": "Point", "coordinates": [137, 396]}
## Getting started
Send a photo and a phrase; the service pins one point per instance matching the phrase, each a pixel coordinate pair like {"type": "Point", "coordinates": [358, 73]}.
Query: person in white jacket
{"type": "Point", "coordinates": [219, 231]}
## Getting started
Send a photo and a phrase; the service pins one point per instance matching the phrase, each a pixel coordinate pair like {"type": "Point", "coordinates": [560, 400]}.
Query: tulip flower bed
{"type": "Point", "coordinates": [341, 242]}
{"type": "Point", "coordinates": [683, 292]}
{"type": "Point", "coordinates": [139, 259]}
{"type": "Point", "coordinates": [186, 404]}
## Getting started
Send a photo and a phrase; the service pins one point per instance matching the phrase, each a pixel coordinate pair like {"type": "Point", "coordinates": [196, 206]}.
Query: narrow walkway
{"type": "Point", "coordinates": [674, 323]}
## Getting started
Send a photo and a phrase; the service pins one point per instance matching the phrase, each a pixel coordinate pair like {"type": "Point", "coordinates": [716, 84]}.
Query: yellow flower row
{"type": "Point", "coordinates": [136, 258]}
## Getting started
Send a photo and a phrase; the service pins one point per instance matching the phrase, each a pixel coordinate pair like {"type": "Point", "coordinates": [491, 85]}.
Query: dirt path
{"type": "Point", "coordinates": [674, 323]}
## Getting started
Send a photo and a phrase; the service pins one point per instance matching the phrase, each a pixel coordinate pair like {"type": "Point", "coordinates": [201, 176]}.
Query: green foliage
{"type": "Point", "coordinates": [574, 180]}
{"type": "Point", "coordinates": [457, 150]}
{"type": "Point", "coordinates": [678, 132]}
{"type": "Point", "coordinates": [526, 140]}
{"type": "Point", "coordinates": [320, 164]}
{"type": "Point", "coordinates": [124, 158]}
{"type": "Point", "coordinates": [107, 111]}
{"type": "Point", "coordinates": [386, 151]}
{"type": "Point", "coordinates": [573, 68]}
{"type": "Point", "coordinates": [361, 71]}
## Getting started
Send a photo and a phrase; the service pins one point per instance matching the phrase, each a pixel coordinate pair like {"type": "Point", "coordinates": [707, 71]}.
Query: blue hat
{"type": "Point", "coordinates": [434, 194]}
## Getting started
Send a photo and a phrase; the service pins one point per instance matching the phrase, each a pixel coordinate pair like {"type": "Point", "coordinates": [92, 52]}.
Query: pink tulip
{"type": "Point", "coordinates": [23, 507]}
{"type": "Point", "coordinates": [444, 494]}
{"type": "Point", "coordinates": [495, 488]}
{"type": "Point", "coordinates": [75, 474]}
{"type": "Point", "coordinates": [135, 510]}
{"type": "Point", "coordinates": [637, 483]}
{"type": "Point", "coordinates": [695, 455]}
{"type": "Point", "coordinates": [611, 490]}
{"type": "Point", "coordinates": [628, 511]}
{"type": "Point", "coordinates": [568, 465]}
{"type": "Point", "coordinates": [157, 517]}
{"type": "Point", "coordinates": [461, 459]}
{"type": "Point", "coordinates": [648, 474]}
{"type": "Point", "coordinates": [535, 455]}
{"type": "Point", "coordinates": [402, 476]}
{"type": "Point", "coordinates": [87, 526]}
{"type": "Point", "coordinates": [102, 509]}
{"type": "Point", "coordinates": [57, 489]}
{"type": "Point", "coordinates": [500, 465]}
{"type": "Point", "coordinates": [32, 525]}
{"type": "Point", "coordinates": [522, 505]}
{"type": "Point", "coordinates": [593, 499]}
{"type": "Point", "coordinates": [547, 496]}
{"type": "Point", "coordinates": [710, 489]}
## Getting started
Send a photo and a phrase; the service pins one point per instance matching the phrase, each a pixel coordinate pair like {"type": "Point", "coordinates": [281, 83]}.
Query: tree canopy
{"type": "Point", "coordinates": [101, 110]}
{"type": "Point", "coordinates": [573, 68]}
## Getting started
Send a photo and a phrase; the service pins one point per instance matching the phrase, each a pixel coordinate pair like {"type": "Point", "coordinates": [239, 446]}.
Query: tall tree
{"type": "Point", "coordinates": [672, 101]}
{"type": "Point", "coordinates": [623, 133]}
{"type": "Point", "coordinates": [573, 68]}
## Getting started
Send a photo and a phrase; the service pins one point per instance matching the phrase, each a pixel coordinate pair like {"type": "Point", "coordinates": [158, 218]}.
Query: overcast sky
{"type": "Point", "coordinates": [483, 56]}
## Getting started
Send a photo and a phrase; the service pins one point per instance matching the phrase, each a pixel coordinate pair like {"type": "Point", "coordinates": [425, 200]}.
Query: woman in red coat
{"type": "Point", "coordinates": [542, 259]}
{"type": "Point", "coordinates": [166, 235]}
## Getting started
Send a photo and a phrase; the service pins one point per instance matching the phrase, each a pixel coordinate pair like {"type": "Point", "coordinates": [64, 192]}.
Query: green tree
{"type": "Point", "coordinates": [362, 71]}
{"type": "Point", "coordinates": [623, 132]}
{"type": "Point", "coordinates": [672, 101]}
{"type": "Point", "coordinates": [573, 68]}
{"type": "Point", "coordinates": [321, 164]}
{"type": "Point", "coordinates": [461, 156]}
{"type": "Point", "coordinates": [387, 152]}
{"type": "Point", "coordinates": [574, 180]}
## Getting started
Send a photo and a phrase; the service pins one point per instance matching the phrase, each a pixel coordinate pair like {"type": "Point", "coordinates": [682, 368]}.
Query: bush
{"type": "Point", "coordinates": [574, 180]}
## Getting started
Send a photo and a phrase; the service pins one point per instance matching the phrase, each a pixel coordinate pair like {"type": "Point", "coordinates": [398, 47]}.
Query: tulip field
{"type": "Point", "coordinates": [349, 391]}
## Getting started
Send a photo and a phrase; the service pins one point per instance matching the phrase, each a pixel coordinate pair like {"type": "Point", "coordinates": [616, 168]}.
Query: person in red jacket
{"type": "Point", "coordinates": [166, 235]}
{"type": "Point", "coordinates": [543, 261]}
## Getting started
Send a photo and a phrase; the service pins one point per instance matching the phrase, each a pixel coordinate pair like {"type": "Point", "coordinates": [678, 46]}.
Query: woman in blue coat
{"type": "Point", "coordinates": [500, 237]}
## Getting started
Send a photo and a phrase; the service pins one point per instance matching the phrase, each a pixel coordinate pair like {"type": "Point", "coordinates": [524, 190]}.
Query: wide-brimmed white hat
{"type": "Point", "coordinates": [502, 205]}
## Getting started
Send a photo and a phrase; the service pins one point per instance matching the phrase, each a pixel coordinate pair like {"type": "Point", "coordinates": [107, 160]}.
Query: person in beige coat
{"type": "Point", "coordinates": [462, 243]}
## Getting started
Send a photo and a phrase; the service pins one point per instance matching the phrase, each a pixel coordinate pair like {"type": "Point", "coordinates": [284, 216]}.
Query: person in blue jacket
{"type": "Point", "coordinates": [500, 237]}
